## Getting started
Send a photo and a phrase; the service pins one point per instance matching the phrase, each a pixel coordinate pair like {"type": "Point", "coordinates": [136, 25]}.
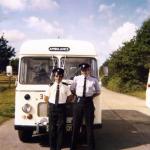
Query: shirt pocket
{"type": "Point", "coordinates": [90, 87]}
{"type": "Point", "coordinates": [63, 92]}
{"type": "Point", "coordinates": [80, 86]}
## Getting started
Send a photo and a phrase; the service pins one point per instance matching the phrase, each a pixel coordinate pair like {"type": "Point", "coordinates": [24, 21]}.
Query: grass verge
{"type": "Point", "coordinates": [7, 100]}
{"type": "Point", "coordinates": [139, 94]}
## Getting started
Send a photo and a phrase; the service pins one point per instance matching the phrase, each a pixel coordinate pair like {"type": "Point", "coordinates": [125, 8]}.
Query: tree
{"type": "Point", "coordinates": [6, 53]}
{"type": "Point", "coordinates": [128, 66]}
{"type": "Point", "coordinates": [14, 64]}
{"type": "Point", "coordinates": [143, 42]}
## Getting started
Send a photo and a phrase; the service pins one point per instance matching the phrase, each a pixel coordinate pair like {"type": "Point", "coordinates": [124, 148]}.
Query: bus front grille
{"type": "Point", "coordinates": [42, 109]}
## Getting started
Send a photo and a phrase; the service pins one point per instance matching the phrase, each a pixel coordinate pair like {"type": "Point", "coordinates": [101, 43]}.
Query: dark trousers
{"type": "Point", "coordinates": [83, 108]}
{"type": "Point", "coordinates": [57, 120]}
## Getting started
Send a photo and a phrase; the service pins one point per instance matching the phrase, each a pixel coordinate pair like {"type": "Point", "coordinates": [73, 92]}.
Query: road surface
{"type": "Point", "coordinates": [126, 126]}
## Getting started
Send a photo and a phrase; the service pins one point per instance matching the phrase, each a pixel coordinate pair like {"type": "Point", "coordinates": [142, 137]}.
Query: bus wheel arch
{"type": "Point", "coordinates": [25, 135]}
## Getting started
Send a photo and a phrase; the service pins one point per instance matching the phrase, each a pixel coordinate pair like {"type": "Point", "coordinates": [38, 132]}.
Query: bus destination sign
{"type": "Point", "coordinates": [59, 49]}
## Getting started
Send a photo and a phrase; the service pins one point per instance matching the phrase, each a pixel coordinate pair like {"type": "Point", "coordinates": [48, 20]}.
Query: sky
{"type": "Point", "coordinates": [105, 23]}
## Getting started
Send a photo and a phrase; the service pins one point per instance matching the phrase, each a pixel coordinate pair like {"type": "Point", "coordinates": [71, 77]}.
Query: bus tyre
{"type": "Point", "coordinates": [25, 136]}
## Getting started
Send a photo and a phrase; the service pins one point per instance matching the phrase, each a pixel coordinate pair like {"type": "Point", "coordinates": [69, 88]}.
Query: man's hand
{"type": "Point", "coordinates": [96, 94]}
{"type": "Point", "coordinates": [70, 98]}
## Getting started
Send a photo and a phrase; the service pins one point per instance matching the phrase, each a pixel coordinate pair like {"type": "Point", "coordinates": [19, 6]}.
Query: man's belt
{"type": "Point", "coordinates": [58, 105]}
{"type": "Point", "coordinates": [83, 99]}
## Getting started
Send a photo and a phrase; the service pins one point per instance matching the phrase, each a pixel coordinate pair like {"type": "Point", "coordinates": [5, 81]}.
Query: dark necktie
{"type": "Point", "coordinates": [57, 95]}
{"type": "Point", "coordinates": [84, 87]}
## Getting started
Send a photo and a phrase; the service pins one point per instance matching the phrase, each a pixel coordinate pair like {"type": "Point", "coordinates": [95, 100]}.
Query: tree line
{"type": "Point", "coordinates": [7, 56]}
{"type": "Point", "coordinates": [129, 64]}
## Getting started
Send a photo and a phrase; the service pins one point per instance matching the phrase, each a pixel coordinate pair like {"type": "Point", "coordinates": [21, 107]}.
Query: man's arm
{"type": "Point", "coordinates": [47, 94]}
{"type": "Point", "coordinates": [97, 89]}
{"type": "Point", "coordinates": [46, 98]}
{"type": "Point", "coordinates": [70, 98]}
{"type": "Point", "coordinates": [96, 94]}
{"type": "Point", "coordinates": [73, 90]}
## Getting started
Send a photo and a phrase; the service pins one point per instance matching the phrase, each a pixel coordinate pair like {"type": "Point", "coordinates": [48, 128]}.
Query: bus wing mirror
{"type": "Point", "coordinates": [105, 71]}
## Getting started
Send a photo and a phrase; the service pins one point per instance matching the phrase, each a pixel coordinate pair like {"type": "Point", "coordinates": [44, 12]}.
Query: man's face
{"type": "Point", "coordinates": [58, 78]}
{"type": "Point", "coordinates": [85, 71]}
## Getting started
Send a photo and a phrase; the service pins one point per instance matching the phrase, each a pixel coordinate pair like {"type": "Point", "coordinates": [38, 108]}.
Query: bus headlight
{"type": "Point", "coordinates": [27, 97]}
{"type": "Point", "coordinates": [27, 108]}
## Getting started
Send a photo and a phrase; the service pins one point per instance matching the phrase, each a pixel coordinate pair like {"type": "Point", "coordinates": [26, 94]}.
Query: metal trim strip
{"type": "Point", "coordinates": [30, 91]}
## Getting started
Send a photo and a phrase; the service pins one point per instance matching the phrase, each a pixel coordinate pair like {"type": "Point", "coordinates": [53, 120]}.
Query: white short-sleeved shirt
{"type": "Point", "coordinates": [64, 92]}
{"type": "Point", "coordinates": [92, 86]}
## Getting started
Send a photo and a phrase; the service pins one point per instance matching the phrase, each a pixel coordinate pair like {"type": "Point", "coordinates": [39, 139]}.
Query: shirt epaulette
{"type": "Point", "coordinates": [51, 84]}
{"type": "Point", "coordinates": [93, 77]}
{"type": "Point", "coordinates": [65, 83]}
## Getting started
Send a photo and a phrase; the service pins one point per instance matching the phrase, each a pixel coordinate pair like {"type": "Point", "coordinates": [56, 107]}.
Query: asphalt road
{"type": "Point", "coordinates": [126, 125]}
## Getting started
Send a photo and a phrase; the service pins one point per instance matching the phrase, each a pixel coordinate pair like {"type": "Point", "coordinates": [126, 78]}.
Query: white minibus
{"type": "Point", "coordinates": [37, 59]}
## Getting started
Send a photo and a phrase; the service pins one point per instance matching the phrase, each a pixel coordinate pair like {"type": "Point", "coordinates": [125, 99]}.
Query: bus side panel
{"type": "Point", "coordinates": [98, 111]}
{"type": "Point", "coordinates": [148, 91]}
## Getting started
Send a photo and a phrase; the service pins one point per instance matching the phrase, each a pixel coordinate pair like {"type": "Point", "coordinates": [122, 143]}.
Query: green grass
{"type": "Point", "coordinates": [7, 99]}
{"type": "Point", "coordinates": [115, 84]}
{"type": "Point", "coordinates": [4, 78]}
{"type": "Point", "coordinates": [139, 94]}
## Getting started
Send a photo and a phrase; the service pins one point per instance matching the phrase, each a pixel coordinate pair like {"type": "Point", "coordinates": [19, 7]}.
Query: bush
{"type": "Point", "coordinates": [115, 84]}
{"type": "Point", "coordinates": [133, 85]}
{"type": "Point", "coordinates": [104, 81]}
{"type": "Point", "coordinates": [2, 88]}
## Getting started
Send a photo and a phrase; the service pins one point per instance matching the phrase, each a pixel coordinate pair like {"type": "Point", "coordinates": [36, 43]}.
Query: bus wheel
{"type": "Point", "coordinates": [25, 136]}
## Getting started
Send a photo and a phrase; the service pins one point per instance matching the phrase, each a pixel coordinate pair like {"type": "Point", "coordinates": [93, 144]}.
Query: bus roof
{"type": "Point", "coordinates": [57, 47]}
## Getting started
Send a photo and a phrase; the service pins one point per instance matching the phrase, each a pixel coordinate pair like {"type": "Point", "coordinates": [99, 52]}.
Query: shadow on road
{"type": "Point", "coordinates": [43, 140]}
{"type": "Point", "coordinates": [122, 129]}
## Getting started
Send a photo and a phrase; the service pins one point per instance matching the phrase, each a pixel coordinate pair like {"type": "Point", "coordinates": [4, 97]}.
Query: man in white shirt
{"type": "Point", "coordinates": [56, 95]}
{"type": "Point", "coordinates": [85, 87]}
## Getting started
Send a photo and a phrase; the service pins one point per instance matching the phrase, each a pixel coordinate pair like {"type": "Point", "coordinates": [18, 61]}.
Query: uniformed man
{"type": "Point", "coordinates": [85, 87]}
{"type": "Point", "coordinates": [56, 95]}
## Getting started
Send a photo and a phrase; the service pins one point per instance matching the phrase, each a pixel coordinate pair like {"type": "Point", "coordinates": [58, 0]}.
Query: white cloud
{"type": "Point", "coordinates": [106, 10]}
{"type": "Point", "coordinates": [44, 4]}
{"type": "Point", "coordinates": [13, 35]}
{"type": "Point", "coordinates": [123, 34]}
{"type": "Point", "coordinates": [87, 20]}
{"type": "Point", "coordinates": [106, 13]}
{"type": "Point", "coordinates": [13, 4]}
{"type": "Point", "coordinates": [44, 26]}
{"type": "Point", "coordinates": [142, 13]}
